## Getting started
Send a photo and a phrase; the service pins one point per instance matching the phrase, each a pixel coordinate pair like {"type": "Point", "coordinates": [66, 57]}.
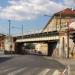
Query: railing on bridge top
{"type": "Point", "coordinates": [39, 37]}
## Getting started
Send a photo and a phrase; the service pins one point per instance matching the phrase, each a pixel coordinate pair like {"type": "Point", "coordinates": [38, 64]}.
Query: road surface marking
{"type": "Point", "coordinates": [6, 70]}
{"type": "Point", "coordinates": [56, 72]}
{"type": "Point", "coordinates": [17, 71]}
{"type": "Point", "coordinates": [44, 72]}
{"type": "Point", "coordinates": [30, 71]}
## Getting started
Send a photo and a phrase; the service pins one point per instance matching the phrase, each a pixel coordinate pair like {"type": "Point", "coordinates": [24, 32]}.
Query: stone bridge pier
{"type": "Point", "coordinates": [52, 50]}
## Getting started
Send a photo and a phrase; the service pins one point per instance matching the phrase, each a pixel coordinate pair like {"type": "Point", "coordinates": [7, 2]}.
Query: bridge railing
{"type": "Point", "coordinates": [39, 35]}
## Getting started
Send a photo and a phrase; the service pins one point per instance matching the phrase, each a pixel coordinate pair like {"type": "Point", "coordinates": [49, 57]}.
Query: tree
{"type": "Point", "coordinates": [30, 46]}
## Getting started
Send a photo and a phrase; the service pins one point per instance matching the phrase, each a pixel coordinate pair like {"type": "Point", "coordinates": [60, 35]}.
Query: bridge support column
{"type": "Point", "coordinates": [63, 52]}
{"type": "Point", "coordinates": [52, 50]}
{"type": "Point", "coordinates": [61, 47]}
{"type": "Point", "coordinates": [18, 48]}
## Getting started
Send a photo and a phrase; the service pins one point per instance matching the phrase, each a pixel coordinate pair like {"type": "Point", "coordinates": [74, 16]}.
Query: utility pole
{"type": "Point", "coordinates": [9, 27]}
{"type": "Point", "coordinates": [10, 40]}
{"type": "Point", "coordinates": [22, 31]}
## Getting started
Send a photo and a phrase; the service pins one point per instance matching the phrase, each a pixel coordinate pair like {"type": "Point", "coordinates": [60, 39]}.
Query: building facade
{"type": "Point", "coordinates": [6, 45]}
{"type": "Point", "coordinates": [59, 22]}
{"type": "Point", "coordinates": [9, 45]}
{"type": "Point", "coordinates": [2, 46]}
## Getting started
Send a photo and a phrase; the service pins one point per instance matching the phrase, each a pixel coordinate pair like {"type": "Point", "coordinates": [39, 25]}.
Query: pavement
{"type": "Point", "coordinates": [64, 61]}
{"type": "Point", "coordinates": [34, 65]}
{"type": "Point", "coordinates": [29, 65]}
{"type": "Point", "coordinates": [67, 62]}
{"type": "Point", "coordinates": [8, 55]}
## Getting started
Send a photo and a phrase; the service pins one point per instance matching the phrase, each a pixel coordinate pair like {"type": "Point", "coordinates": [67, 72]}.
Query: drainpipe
{"type": "Point", "coordinates": [68, 41]}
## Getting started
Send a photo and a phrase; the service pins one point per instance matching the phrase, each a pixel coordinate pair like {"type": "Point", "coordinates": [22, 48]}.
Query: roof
{"type": "Point", "coordinates": [66, 12]}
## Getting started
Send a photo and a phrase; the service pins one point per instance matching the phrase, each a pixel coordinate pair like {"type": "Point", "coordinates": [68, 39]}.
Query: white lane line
{"type": "Point", "coordinates": [6, 70]}
{"type": "Point", "coordinates": [56, 72]}
{"type": "Point", "coordinates": [17, 71]}
{"type": "Point", "coordinates": [31, 71]}
{"type": "Point", "coordinates": [44, 72]}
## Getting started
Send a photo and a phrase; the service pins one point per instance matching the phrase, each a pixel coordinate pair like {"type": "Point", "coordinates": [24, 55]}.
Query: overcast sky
{"type": "Point", "coordinates": [30, 13]}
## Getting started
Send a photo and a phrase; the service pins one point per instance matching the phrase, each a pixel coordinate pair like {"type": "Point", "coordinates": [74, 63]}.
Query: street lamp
{"type": "Point", "coordinates": [47, 27]}
{"type": "Point", "coordinates": [22, 31]}
{"type": "Point", "coordinates": [56, 22]}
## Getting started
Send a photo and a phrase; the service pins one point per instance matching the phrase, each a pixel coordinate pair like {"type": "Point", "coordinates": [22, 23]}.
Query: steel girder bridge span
{"type": "Point", "coordinates": [38, 37]}
{"type": "Point", "coordinates": [51, 38]}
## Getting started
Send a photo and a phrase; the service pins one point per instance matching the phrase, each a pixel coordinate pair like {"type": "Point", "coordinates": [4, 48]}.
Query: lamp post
{"type": "Point", "coordinates": [56, 22]}
{"type": "Point", "coordinates": [22, 31]}
{"type": "Point", "coordinates": [48, 26]}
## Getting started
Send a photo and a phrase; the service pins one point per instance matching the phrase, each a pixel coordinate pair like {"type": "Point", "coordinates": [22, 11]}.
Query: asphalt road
{"type": "Point", "coordinates": [28, 65]}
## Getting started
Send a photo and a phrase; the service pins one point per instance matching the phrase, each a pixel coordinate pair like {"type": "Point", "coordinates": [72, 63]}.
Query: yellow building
{"type": "Point", "coordinates": [9, 44]}
{"type": "Point", "coordinates": [2, 40]}
{"type": "Point", "coordinates": [5, 44]}
{"type": "Point", "coordinates": [59, 22]}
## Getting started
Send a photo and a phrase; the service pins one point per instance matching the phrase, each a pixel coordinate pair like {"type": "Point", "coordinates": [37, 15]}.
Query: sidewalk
{"type": "Point", "coordinates": [64, 61]}
{"type": "Point", "coordinates": [12, 55]}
